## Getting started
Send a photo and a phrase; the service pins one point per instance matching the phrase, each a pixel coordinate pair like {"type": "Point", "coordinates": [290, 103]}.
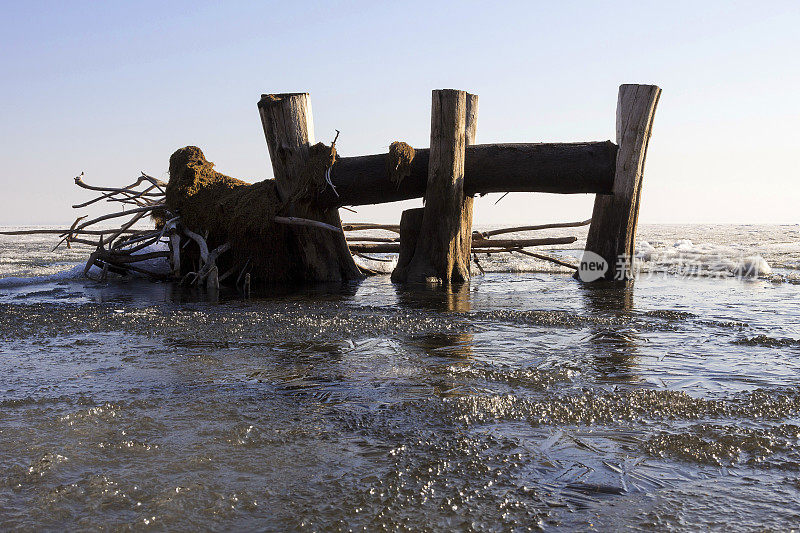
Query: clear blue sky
{"type": "Point", "coordinates": [112, 88]}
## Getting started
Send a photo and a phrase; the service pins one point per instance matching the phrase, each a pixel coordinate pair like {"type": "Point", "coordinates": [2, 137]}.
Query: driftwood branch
{"type": "Point", "coordinates": [521, 243]}
{"type": "Point", "coordinates": [487, 234]}
{"type": "Point", "coordinates": [201, 243]}
{"type": "Point", "coordinates": [362, 226]}
{"type": "Point", "coordinates": [297, 221]}
{"type": "Point", "coordinates": [493, 245]}
{"type": "Point", "coordinates": [544, 257]}
{"type": "Point", "coordinates": [65, 231]}
{"type": "Point", "coordinates": [146, 209]}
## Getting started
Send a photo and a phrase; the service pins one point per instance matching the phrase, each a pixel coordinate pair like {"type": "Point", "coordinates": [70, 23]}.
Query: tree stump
{"type": "Point", "coordinates": [612, 234]}
{"type": "Point", "coordinates": [444, 237]}
{"type": "Point", "coordinates": [410, 225]}
{"type": "Point", "coordinates": [289, 131]}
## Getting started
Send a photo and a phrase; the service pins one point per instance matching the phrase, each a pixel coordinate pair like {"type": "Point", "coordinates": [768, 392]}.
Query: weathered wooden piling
{"type": "Point", "coordinates": [612, 234]}
{"type": "Point", "coordinates": [289, 131]}
{"type": "Point", "coordinates": [442, 249]}
{"type": "Point", "coordinates": [465, 221]}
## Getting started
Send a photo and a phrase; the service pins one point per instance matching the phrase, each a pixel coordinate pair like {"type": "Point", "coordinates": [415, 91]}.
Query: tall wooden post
{"type": "Point", "coordinates": [465, 233]}
{"type": "Point", "coordinates": [289, 130]}
{"type": "Point", "coordinates": [443, 230]}
{"type": "Point", "coordinates": [612, 234]}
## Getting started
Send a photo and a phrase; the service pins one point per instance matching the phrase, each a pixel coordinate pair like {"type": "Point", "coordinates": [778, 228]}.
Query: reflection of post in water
{"type": "Point", "coordinates": [456, 348]}
{"type": "Point", "coordinates": [453, 297]}
{"type": "Point", "coordinates": [448, 298]}
{"type": "Point", "coordinates": [614, 297]}
{"type": "Point", "coordinates": [614, 347]}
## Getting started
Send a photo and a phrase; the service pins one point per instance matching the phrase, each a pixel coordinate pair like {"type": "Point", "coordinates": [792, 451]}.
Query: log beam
{"type": "Point", "coordinates": [564, 168]}
{"type": "Point", "coordinates": [612, 234]}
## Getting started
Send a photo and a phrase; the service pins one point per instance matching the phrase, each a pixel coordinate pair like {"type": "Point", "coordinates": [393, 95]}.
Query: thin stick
{"type": "Point", "coordinates": [242, 273]}
{"type": "Point", "coordinates": [496, 245]}
{"type": "Point", "coordinates": [361, 226]}
{"type": "Point", "coordinates": [228, 273]}
{"type": "Point", "coordinates": [80, 241]}
{"type": "Point", "coordinates": [498, 200]}
{"type": "Point", "coordinates": [478, 263]}
{"type": "Point", "coordinates": [82, 184]}
{"type": "Point", "coordinates": [521, 243]}
{"type": "Point", "coordinates": [201, 242]}
{"type": "Point", "coordinates": [175, 248]}
{"type": "Point", "coordinates": [119, 214]}
{"type": "Point", "coordinates": [373, 239]}
{"type": "Point", "coordinates": [380, 259]}
{"type": "Point", "coordinates": [296, 221]}
{"type": "Point", "coordinates": [65, 231]}
{"type": "Point", "coordinates": [546, 258]}
{"type": "Point", "coordinates": [126, 258]}
{"type": "Point", "coordinates": [136, 218]}
{"type": "Point", "coordinates": [158, 183]}
{"type": "Point", "coordinates": [486, 234]}
{"type": "Point", "coordinates": [168, 226]}
{"type": "Point", "coordinates": [109, 195]}
{"type": "Point", "coordinates": [134, 239]}
{"type": "Point", "coordinates": [146, 272]}
{"type": "Point", "coordinates": [210, 265]}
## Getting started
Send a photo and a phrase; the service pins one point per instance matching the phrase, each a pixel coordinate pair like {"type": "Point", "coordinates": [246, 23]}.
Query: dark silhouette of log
{"type": "Point", "coordinates": [565, 168]}
{"type": "Point", "coordinates": [289, 131]}
{"type": "Point", "coordinates": [612, 234]}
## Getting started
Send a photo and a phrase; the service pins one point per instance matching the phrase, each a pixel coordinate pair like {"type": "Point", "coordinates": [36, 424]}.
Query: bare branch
{"type": "Point", "coordinates": [296, 221]}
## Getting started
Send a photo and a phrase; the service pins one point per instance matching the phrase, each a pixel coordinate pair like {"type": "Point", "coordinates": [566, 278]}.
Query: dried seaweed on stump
{"type": "Point", "coordinates": [230, 210]}
{"type": "Point", "coordinates": [399, 163]}
{"type": "Point", "coordinates": [313, 180]}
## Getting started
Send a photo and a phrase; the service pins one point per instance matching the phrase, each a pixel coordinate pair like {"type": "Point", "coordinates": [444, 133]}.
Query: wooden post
{"type": "Point", "coordinates": [465, 232]}
{"type": "Point", "coordinates": [289, 130]}
{"type": "Point", "coordinates": [438, 256]}
{"type": "Point", "coordinates": [612, 234]}
{"type": "Point", "coordinates": [411, 220]}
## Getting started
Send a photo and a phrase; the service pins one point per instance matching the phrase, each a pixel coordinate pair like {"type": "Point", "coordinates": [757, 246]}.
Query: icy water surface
{"type": "Point", "coordinates": [520, 401]}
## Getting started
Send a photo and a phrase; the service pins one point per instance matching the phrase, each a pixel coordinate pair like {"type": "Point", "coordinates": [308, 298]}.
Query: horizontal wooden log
{"type": "Point", "coordinates": [518, 229]}
{"type": "Point", "coordinates": [564, 168]}
{"type": "Point", "coordinates": [362, 226]}
{"type": "Point", "coordinates": [389, 248]}
{"type": "Point", "coordinates": [521, 243]}
{"type": "Point", "coordinates": [75, 232]}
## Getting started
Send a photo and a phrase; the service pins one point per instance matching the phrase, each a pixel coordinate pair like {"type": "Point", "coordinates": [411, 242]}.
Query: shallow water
{"type": "Point", "coordinates": [520, 401]}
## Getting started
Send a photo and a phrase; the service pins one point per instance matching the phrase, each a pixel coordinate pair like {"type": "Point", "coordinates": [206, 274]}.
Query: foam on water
{"type": "Point", "coordinates": [58, 271]}
{"type": "Point", "coordinates": [685, 257]}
